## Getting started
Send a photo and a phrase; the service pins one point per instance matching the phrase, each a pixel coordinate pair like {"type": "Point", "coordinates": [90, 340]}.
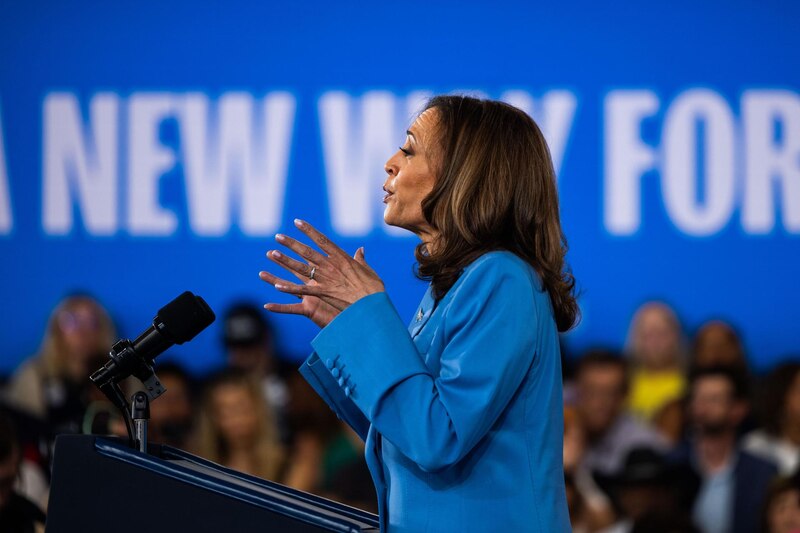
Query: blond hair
{"type": "Point", "coordinates": [268, 454]}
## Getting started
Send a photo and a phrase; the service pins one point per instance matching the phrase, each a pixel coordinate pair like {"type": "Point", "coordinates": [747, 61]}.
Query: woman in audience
{"type": "Point", "coordinates": [655, 346]}
{"type": "Point", "coordinates": [779, 440]}
{"type": "Point", "coordinates": [782, 507]}
{"type": "Point", "coordinates": [52, 385]}
{"type": "Point", "coordinates": [236, 428]}
{"type": "Point", "coordinates": [718, 344]}
{"type": "Point", "coordinates": [327, 457]}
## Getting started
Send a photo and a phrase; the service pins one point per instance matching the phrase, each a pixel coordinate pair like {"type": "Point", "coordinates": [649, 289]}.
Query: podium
{"type": "Point", "coordinates": [99, 485]}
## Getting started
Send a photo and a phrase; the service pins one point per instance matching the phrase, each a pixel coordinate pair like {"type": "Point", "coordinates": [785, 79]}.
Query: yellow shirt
{"type": "Point", "coordinates": [650, 391]}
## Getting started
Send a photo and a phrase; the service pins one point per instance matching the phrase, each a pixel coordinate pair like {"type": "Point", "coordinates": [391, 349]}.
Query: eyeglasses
{"type": "Point", "coordinates": [70, 321]}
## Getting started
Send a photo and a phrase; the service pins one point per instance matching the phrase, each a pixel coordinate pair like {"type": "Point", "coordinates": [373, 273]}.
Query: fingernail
{"type": "Point", "coordinates": [262, 274]}
{"type": "Point", "coordinates": [280, 286]}
{"type": "Point", "coordinates": [276, 253]}
{"type": "Point", "coordinates": [363, 251]}
{"type": "Point", "coordinates": [299, 223]}
{"type": "Point", "coordinates": [279, 237]}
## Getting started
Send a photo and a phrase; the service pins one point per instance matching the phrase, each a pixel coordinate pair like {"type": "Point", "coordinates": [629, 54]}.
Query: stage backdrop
{"type": "Point", "coordinates": [149, 148]}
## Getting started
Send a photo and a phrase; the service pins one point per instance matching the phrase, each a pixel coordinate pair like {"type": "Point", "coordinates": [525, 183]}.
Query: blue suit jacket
{"type": "Point", "coordinates": [462, 412]}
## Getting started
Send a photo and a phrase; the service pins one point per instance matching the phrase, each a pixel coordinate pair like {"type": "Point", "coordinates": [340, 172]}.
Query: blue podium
{"type": "Point", "coordinates": [101, 485]}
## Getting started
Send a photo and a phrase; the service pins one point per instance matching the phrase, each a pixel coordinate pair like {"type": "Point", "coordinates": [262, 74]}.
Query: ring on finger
{"type": "Point", "coordinates": [313, 271]}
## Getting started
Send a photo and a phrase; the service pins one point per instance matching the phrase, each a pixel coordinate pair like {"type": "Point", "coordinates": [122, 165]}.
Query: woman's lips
{"type": "Point", "coordinates": [386, 198]}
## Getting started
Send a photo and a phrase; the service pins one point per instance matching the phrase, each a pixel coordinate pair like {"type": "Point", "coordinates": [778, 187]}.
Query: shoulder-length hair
{"type": "Point", "coordinates": [495, 189]}
{"type": "Point", "coordinates": [53, 350]}
{"type": "Point", "coordinates": [267, 452]}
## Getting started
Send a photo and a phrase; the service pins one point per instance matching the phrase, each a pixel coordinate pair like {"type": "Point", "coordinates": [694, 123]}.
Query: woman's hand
{"type": "Point", "coordinates": [338, 279]}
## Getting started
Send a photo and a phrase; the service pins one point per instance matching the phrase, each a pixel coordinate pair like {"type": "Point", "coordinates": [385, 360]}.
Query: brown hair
{"type": "Point", "coordinates": [495, 190]}
{"type": "Point", "coordinates": [267, 453]}
{"type": "Point", "coordinates": [779, 486]}
{"type": "Point", "coordinates": [774, 389]}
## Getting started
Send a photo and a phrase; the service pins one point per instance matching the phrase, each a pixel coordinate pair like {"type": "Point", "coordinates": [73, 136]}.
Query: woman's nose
{"type": "Point", "coordinates": [391, 167]}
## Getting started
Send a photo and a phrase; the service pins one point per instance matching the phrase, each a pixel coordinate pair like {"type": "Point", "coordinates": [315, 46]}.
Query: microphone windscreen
{"type": "Point", "coordinates": [183, 318]}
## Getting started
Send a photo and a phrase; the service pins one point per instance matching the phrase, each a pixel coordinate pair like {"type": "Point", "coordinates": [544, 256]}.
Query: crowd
{"type": "Point", "coordinates": [671, 434]}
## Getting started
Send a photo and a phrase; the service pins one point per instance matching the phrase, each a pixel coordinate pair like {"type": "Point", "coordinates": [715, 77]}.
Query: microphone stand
{"type": "Point", "coordinates": [123, 362]}
{"type": "Point", "coordinates": [140, 412]}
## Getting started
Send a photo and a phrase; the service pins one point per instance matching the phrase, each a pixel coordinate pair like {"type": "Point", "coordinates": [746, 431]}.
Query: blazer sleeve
{"type": "Point", "coordinates": [435, 420]}
{"type": "Point", "coordinates": [315, 373]}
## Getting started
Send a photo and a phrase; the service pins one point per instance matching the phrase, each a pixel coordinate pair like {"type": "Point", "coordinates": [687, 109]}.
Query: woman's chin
{"type": "Point", "coordinates": [388, 218]}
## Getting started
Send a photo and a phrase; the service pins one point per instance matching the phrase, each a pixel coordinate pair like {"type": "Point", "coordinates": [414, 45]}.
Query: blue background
{"type": "Point", "coordinates": [311, 48]}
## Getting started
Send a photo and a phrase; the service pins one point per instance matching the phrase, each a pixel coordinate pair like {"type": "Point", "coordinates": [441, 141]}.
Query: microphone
{"type": "Point", "coordinates": [177, 322]}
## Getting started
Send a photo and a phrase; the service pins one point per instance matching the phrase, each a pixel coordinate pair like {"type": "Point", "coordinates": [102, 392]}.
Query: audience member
{"type": "Point", "coordinates": [589, 507]}
{"type": "Point", "coordinates": [236, 427]}
{"type": "Point", "coordinates": [601, 391]}
{"type": "Point", "coordinates": [717, 343]}
{"type": "Point", "coordinates": [33, 439]}
{"type": "Point", "coordinates": [576, 505]}
{"type": "Point", "coordinates": [779, 438]}
{"type": "Point", "coordinates": [645, 491]}
{"type": "Point", "coordinates": [171, 413]}
{"type": "Point", "coordinates": [782, 507]}
{"type": "Point", "coordinates": [249, 346]}
{"type": "Point", "coordinates": [17, 513]}
{"type": "Point", "coordinates": [324, 450]}
{"type": "Point", "coordinates": [53, 385]}
{"type": "Point", "coordinates": [731, 483]}
{"type": "Point", "coordinates": [656, 350]}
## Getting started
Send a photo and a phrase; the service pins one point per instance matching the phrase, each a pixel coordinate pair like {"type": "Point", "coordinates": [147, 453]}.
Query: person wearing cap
{"type": "Point", "coordinates": [249, 346]}
{"type": "Point", "coordinates": [647, 489]}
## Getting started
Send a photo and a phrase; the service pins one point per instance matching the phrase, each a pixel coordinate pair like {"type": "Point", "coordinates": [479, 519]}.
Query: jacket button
{"type": "Point", "coordinates": [335, 372]}
{"type": "Point", "coordinates": [329, 363]}
{"type": "Point", "coordinates": [341, 381]}
{"type": "Point", "coordinates": [347, 391]}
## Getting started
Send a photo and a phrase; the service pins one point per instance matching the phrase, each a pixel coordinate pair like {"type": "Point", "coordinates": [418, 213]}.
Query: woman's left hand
{"type": "Point", "coordinates": [340, 280]}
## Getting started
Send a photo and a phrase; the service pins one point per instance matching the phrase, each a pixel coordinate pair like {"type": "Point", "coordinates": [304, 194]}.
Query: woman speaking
{"type": "Point", "coordinates": [462, 410]}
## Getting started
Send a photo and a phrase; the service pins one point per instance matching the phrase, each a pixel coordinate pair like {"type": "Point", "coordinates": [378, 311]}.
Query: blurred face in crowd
{"type": "Point", "coordinates": [170, 419]}
{"type": "Point", "coordinates": [81, 331]}
{"type": "Point", "coordinates": [255, 358]}
{"type": "Point", "coordinates": [717, 344]}
{"type": "Point", "coordinates": [792, 405]}
{"type": "Point", "coordinates": [601, 396]}
{"type": "Point", "coordinates": [638, 500]}
{"type": "Point", "coordinates": [235, 414]}
{"type": "Point", "coordinates": [656, 338]}
{"type": "Point", "coordinates": [9, 469]}
{"type": "Point", "coordinates": [411, 176]}
{"type": "Point", "coordinates": [713, 408]}
{"type": "Point", "coordinates": [783, 515]}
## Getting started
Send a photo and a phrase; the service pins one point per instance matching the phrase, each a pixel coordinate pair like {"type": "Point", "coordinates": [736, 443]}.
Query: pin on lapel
{"type": "Point", "coordinates": [419, 314]}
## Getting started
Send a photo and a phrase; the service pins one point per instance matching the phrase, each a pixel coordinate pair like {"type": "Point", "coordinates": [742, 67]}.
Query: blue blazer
{"type": "Point", "coordinates": [462, 411]}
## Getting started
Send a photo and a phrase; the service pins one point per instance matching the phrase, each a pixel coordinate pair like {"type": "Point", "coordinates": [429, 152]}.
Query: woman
{"type": "Point", "coordinates": [656, 349]}
{"type": "Point", "coordinates": [236, 428]}
{"type": "Point", "coordinates": [462, 412]}
{"type": "Point", "coordinates": [52, 385]}
{"type": "Point", "coordinates": [717, 343]}
{"type": "Point", "coordinates": [782, 507]}
{"type": "Point", "coordinates": [779, 439]}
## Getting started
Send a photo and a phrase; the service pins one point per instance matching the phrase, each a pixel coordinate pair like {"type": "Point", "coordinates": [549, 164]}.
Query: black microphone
{"type": "Point", "coordinates": [177, 322]}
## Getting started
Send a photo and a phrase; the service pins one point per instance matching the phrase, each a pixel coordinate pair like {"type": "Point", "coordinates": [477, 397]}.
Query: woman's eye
{"type": "Point", "coordinates": [405, 151]}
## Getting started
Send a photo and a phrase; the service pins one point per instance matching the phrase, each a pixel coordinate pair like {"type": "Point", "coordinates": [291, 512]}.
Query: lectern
{"type": "Point", "coordinates": [101, 484]}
